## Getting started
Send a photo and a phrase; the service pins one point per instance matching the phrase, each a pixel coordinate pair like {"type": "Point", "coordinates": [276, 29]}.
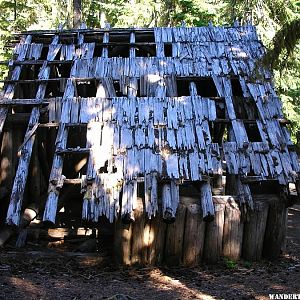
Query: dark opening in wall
{"type": "Point", "coordinates": [29, 72]}
{"type": "Point", "coordinates": [168, 49]}
{"type": "Point", "coordinates": [183, 87]}
{"type": "Point", "coordinates": [245, 108]}
{"type": "Point", "coordinates": [70, 215]}
{"type": "Point", "coordinates": [219, 132]}
{"type": "Point", "coordinates": [76, 137]}
{"type": "Point", "coordinates": [239, 108]}
{"type": "Point", "coordinates": [264, 187]}
{"type": "Point", "coordinates": [25, 90]}
{"type": "Point", "coordinates": [220, 110]}
{"type": "Point", "coordinates": [63, 70]}
{"type": "Point", "coordinates": [119, 46]}
{"type": "Point", "coordinates": [115, 37]}
{"type": "Point", "coordinates": [142, 37]}
{"type": "Point", "coordinates": [98, 50]}
{"type": "Point", "coordinates": [86, 88]}
{"type": "Point", "coordinates": [92, 37]}
{"type": "Point", "coordinates": [118, 90]}
{"type": "Point", "coordinates": [205, 87]}
{"type": "Point", "coordinates": [252, 132]}
{"type": "Point", "coordinates": [118, 51]}
{"type": "Point", "coordinates": [54, 89]}
{"type": "Point", "coordinates": [140, 91]}
{"type": "Point", "coordinates": [236, 87]}
{"type": "Point", "coordinates": [145, 50]}
{"type": "Point", "coordinates": [75, 165]}
{"type": "Point", "coordinates": [45, 51]}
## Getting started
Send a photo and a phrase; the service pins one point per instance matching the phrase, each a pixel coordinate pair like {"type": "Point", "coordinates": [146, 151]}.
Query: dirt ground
{"type": "Point", "coordinates": [29, 274]}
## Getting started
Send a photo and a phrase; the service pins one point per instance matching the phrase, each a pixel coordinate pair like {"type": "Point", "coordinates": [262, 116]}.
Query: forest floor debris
{"type": "Point", "coordinates": [32, 274]}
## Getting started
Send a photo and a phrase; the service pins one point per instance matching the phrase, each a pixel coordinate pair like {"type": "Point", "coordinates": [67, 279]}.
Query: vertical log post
{"type": "Point", "coordinates": [122, 242]}
{"type": "Point", "coordinates": [174, 238]}
{"type": "Point", "coordinates": [194, 234]}
{"type": "Point", "coordinates": [77, 11]}
{"type": "Point", "coordinates": [214, 233]}
{"type": "Point", "coordinates": [275, 229]}
{"type": "Point", "coordinates": [233, 230]}
{"type": "Point", "coordinates": [156, 241]}
{"type": "Point", "coordinates": [138, 243]}
{"type": "Point", "coordinates": [254, 231]}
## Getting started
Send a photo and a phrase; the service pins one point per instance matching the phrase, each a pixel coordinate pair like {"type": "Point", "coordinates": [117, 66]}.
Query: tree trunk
{"type": "Point", "coordinates": [77, 11]}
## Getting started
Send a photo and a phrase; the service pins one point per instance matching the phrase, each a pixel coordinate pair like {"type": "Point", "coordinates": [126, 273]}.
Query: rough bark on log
{"type": "Point", "coordinates": [254, 231]}
{"type": "Point", "coordinates": [233, 231]}
{"type": "Point", "coordinates": [275, 230]}
{"type": "Point", "coordinates": [138, 244]}
{"type": "Point", "coordinates": [174, 238]}
{"type": "Point", "coordinates": [193, 236]}
{"type": "Point", "coordinates": [156, 241]}
{"type": "Point", "coordinates": [122, 242]}
{"type": "Point", "coordinates": [6, 159]}
{"type": "Point", "coordinates": [8, 231]}
{"type": "Point", "coordinates": [214, 234]}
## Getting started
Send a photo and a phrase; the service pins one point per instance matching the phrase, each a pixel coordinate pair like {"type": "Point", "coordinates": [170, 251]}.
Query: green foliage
{"type": "Point", "coordinates": [247, 264]}
{"type": "Point", "coordinates": [15, 16]}
{"type": "Point", "coordinates": [288, 86]}
{"type": "Point", "coordinates": [277, 21]}
{"type": "Point", "coordinates": [230, 264]}
{"type": "Point", "coordinates": [192, 13]}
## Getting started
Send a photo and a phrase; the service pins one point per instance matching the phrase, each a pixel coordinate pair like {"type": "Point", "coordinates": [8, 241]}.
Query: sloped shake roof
{"type": "Point", "coordinates": [184, 105]}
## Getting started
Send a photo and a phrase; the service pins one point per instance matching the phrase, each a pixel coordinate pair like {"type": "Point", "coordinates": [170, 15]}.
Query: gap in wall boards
{"type": "Point", "coordinates": [76, 137]}
{"type": "Point", "coordinates": [205, 87]}
{"type": "Point", "coordinates": [236, 87]}
{"type": "Point", "coordinates": [168, 49]}
{"type": "Point", "coordinates": [86, 88]}
{"type": "Point", "coordinates": [118, 51]}
{"type": "Point", "coordinates": [253, 132]}
{"type": "Point", "coordinates": [145, 51]}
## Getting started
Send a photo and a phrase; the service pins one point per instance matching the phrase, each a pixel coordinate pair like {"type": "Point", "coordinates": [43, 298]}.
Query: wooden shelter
{"type": "Point", "coordinates": [173, 134]}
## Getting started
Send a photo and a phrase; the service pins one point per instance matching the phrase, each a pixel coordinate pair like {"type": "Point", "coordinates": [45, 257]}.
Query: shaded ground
{"type": "Point", "coordinates": [33, 275]}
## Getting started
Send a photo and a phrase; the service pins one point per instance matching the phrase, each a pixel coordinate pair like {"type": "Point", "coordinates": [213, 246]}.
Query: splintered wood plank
{"type": "Point", "coordinates": [56, 179]}
{"type": "Point", "coordinates": [207, 205]}
{"type": "Point", "coordinates": [9, 91]}
{"type": "Point", "coordinates": [15, 206]}
{"type": "Point", "coordinates": [240, 133]}
{"type": "Point", "coordinates": [16, 199]}
{"type": "Point", "coordinates": [170, 201]}
{"type": "Point", "coordinates": [3, 114]}
{"type": "Point", "coordinates": [92, 137]}
{"type": "Point", "coordinates": [151, 205]}
{"type": "Point", "coordinates": [230, 151]}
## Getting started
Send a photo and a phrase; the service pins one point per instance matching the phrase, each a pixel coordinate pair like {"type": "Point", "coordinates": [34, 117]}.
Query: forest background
{"type": "Point", "coordinates": [277, 21]}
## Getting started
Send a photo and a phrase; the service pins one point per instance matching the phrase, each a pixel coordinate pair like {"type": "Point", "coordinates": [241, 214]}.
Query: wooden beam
{"type": "Point", "coordinates": [16, 200]}
{"type": "Point", "coordinates": [72, 150]}
{"type": "Point", "coordinates": [55, 180]}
